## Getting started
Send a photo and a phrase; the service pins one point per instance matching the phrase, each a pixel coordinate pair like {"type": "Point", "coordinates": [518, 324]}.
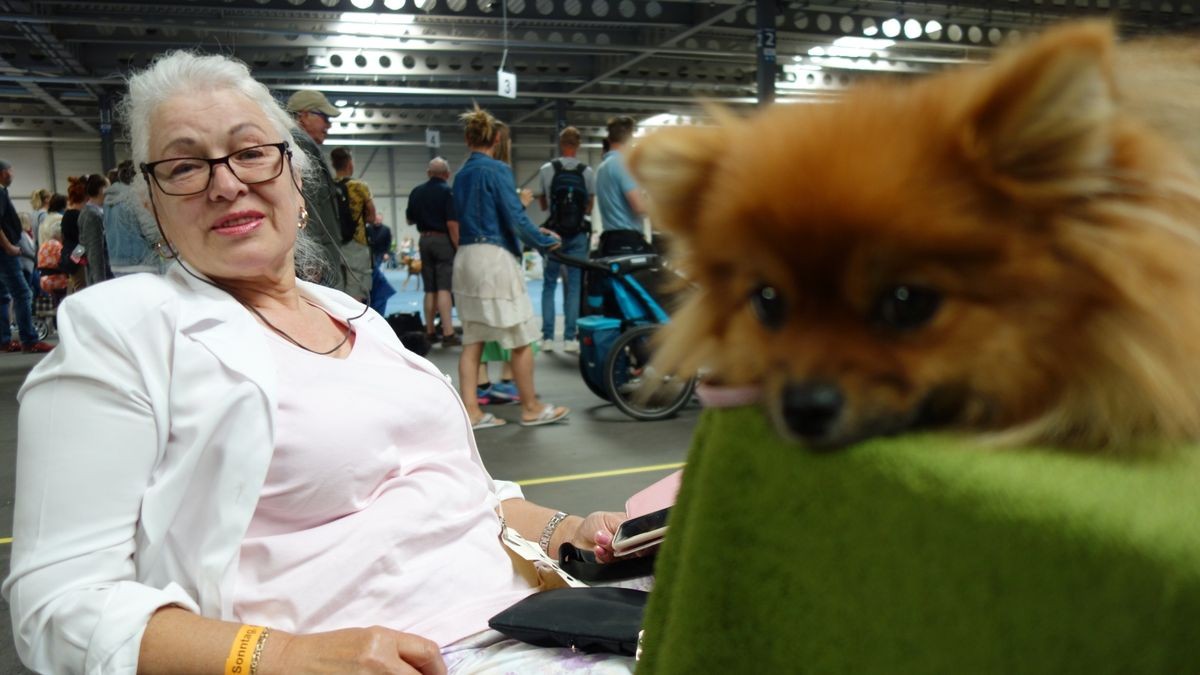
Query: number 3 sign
{"type": "Point", "coordinates": [506, 84]}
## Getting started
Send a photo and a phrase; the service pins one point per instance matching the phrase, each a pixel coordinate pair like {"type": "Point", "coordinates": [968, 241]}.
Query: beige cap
{"type": "Point", "coordinates": [311, 99]}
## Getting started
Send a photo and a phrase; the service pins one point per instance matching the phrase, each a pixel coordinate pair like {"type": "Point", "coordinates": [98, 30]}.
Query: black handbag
{"type": "Point", "coordinates": [598, 619]}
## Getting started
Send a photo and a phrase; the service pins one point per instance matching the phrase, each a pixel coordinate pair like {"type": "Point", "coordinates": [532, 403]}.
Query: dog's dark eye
{"type": "Point", "coordinates": [906, 307]}
{"type": "Point", "coordinates": [768, 306]}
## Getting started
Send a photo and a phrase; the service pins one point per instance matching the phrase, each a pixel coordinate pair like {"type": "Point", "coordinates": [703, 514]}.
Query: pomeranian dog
{"type": "Point", "coordinates": [1011, 249]}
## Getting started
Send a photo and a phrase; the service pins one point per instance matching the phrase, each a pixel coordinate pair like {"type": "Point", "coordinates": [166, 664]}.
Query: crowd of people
{"type": "Point", "coordinates": [65, 243]}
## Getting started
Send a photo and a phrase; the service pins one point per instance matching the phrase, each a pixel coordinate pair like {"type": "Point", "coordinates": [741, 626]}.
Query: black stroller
{"type": "Point", "coordinates": [618, 318]}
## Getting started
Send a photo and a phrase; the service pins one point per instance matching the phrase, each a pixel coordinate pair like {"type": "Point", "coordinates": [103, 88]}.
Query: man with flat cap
{"type": "Point", "coordinates": [313, 112]}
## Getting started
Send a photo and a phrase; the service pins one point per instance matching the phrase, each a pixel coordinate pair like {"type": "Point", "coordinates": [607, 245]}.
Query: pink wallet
{"type": "Point", "coordinates": [658, 496]}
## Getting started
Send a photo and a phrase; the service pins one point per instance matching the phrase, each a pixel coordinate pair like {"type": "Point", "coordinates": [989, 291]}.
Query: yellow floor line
{"type": "Point", "coordinates": [599, 474]}
{"type": "Point", "coordinates": [5, 540]}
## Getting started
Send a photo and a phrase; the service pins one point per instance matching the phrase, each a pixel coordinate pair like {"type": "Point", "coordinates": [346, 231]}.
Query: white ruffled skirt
{"type": "Point", "coordinates": [491, 299]}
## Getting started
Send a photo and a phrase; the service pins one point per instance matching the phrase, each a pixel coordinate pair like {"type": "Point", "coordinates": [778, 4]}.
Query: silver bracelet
{"type": "Point", "coordinates": [549, 531]}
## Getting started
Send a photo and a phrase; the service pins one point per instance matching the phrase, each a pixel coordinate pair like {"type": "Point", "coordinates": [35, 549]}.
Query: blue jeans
{"type": "Point", "coordinates": [12, 278]}
{"type": "Point", "coordinates": [574, 247]}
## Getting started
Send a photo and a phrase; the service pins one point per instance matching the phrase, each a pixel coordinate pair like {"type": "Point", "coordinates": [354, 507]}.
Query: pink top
{"type": "Point", "coordinates": [374, 511]}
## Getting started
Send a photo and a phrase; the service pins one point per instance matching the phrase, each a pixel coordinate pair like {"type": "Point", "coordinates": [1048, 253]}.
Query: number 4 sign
{"type": "Point", "coordinates": [506, 84]}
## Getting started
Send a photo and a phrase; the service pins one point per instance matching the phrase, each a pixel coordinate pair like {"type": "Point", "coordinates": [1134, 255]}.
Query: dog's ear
{"type": "Point", "coordinates": [675, 167]}
{"type": "Point", "coordinates": [1040, 126]}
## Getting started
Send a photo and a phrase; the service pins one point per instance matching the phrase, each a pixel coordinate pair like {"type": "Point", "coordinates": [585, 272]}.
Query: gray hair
{"type": "Point", "coordinates": [438, 166]}
{"type": "Point", "coordinates": [184, 73]}
{"type": "Point", "coordinates": [180, 73]}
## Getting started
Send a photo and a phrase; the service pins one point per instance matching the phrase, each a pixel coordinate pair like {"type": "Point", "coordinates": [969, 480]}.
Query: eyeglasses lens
{"type": "Point", "coordinates": [189, 175]}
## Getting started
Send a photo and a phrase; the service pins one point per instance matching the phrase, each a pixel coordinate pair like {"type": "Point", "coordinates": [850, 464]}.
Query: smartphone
{"type": "Point", "coordinates": [641, 532]}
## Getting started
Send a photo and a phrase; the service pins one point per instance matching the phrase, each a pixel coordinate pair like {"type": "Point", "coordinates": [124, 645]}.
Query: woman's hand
{"type": "Point", "coordinates": [353, 650]}
{"type": "Point", "coordinates": [595, 533]}
{"type": "Point", "coordinates": [526, 196]}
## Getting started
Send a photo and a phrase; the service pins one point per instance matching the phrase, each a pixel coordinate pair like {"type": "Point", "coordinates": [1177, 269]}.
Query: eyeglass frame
{"type": "Point", "coordinates": [147, 168]}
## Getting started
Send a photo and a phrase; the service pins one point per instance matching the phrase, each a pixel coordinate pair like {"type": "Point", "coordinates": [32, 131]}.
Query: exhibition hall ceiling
{"type": "Point", "coordinates": [400, 67]}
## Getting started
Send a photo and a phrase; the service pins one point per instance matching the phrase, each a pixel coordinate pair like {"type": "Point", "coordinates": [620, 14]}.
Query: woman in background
{"type": "Point", "coordinates": [504, 391]}
{"type": "Point", "coordinates": [76, 198]}
{"type": "Point", "coordinates": [91, 232]}
{"type": "Point", "coordinates": [38, 201]}
{"type": "Point", "coordinates": [28, 252]}
{"type": "Point", "coordinates": [53, 280]}
{"type": "Point", "coordinates": [489, 285]}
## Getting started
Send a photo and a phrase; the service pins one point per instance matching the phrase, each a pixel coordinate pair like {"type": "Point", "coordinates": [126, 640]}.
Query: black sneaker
{"type": "Point", "coordinates": [451, 341]}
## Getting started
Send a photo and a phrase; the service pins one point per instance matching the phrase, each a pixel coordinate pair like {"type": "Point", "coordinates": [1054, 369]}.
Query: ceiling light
{"type": "Point", "coordinates": [912, 29]}
{"type": "Point", "coordinates": [870, 30]}
{"type": "Point", "coordinates": [873, 44]}
{"type": "Point", "coordinates": [891, 28]}
{"type": "Point", "coordinates": [932, 26]}
{"type": "Point", "coordinates": [341, 103]}
{"type": "Point", "coordinates": [362, 4]}
{"type": "Point", "coordinates": [393, 4]}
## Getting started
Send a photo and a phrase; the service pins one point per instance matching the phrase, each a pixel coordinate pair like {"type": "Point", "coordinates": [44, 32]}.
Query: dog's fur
{"type": "Point", "coordinates": [1051, 201]}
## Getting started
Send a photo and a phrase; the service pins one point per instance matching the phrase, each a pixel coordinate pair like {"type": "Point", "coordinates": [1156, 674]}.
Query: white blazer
{"type": "Point", "coordinates": [143, 442]}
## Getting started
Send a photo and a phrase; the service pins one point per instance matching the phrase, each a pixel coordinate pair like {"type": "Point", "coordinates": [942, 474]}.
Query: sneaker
{"type": "Point", "coordinates": [484, 394]}
{"type": "Point", "coordinates": [13, 347]}
{"type": "Point", "coordinates": [37, 348]}
{"type": "Point", "coordinates": [505, 392]}
{"type": "Point", "coordinates": [549, 345]}
{"type": "Point", "coordinates": [433, 338]}
{"type": "Point", "coordinates": [451, 340]}
{"type": "Point", "coordinates": [571, 346]}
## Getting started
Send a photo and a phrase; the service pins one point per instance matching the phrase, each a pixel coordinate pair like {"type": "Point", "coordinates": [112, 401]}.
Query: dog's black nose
{"type": "Point", "coordinates": [810, 409]}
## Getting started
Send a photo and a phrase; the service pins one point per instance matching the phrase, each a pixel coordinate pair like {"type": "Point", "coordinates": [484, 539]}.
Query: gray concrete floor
{"type": "Point", "coordinates": [597, 439]}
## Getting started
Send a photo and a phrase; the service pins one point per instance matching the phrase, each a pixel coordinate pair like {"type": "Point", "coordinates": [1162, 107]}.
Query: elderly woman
{"type": "Point", "coordinates": [226, 447]}
{"type": "Point", "coordinates": [489, 286]}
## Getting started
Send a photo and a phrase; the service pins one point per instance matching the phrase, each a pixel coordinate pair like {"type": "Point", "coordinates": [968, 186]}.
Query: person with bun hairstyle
{"type": "Point", "coordinates": [76, 198]}
{"type": "Point", "coordinates": [489, 286]}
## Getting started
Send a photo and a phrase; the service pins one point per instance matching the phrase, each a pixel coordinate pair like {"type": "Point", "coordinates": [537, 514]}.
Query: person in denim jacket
{"type": "Point", "coordinates": [129, 230]}
{"type": "Point", "coordinates": [489, 287]}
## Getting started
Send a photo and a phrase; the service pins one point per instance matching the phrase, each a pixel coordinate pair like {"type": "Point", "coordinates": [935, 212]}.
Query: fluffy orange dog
{"type": "Point", "coordinates": [1012, 249]}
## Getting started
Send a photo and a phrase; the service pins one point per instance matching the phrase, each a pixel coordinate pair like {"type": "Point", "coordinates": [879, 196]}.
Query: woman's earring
{"type": "Point", "coordinates": [165, 250]}
{"type": "Point", "coordinates": [303, 217]}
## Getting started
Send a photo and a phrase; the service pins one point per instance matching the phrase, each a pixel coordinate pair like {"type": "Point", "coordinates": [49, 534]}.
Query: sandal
{"type": "Point", "coordinates": [488, 421]}
{"type": "Point", "coordinates": [549, 415]}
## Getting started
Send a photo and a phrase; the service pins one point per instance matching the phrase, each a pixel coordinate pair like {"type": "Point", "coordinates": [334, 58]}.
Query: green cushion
{"type": "Point", "coordinates": [924, 554]}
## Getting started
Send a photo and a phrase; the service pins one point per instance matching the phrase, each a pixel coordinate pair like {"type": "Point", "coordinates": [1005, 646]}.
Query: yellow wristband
{"type": "Point", "coordinates": [238, 661]}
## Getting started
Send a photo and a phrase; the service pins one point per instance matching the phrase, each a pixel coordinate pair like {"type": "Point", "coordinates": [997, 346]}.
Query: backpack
{"type": "Point", "coordinates": [347, 225]}
{"type": "Point", "coordinates": [568, 200]}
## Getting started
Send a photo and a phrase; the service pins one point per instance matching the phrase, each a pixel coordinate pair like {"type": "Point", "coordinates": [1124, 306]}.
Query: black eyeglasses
{"type": "Point", "coordinates": [182, 176]}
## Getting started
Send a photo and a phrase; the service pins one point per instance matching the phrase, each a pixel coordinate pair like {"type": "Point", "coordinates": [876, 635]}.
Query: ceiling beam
{"type": "Point", "coordinates": [669, 42]}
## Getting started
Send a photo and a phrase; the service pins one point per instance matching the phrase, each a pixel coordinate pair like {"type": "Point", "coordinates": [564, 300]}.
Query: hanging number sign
{"type": "Point", "coordinates": [506, 84]}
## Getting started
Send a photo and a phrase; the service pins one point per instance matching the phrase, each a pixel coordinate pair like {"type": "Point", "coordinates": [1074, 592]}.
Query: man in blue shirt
{"type": "Point", "coordinates": [620, 199]}
{"type": "Point", "coordinates": [431, 209]}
